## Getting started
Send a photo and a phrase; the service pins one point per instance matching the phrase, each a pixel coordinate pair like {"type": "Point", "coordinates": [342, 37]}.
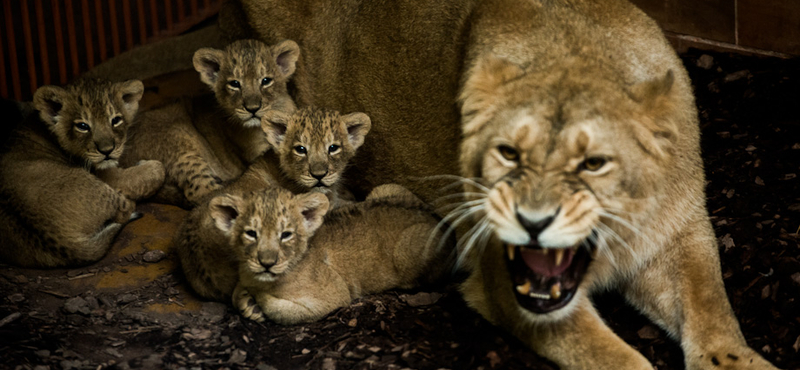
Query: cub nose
{"type": "Point", "coordinates": [319, 175]}
{"type": "Point", "coordinates": [105, 149]}
{"type": "Point", "coordinates": [534, 228]}
{"type": "Point", "coordinates": [266, 263]}
{"type": "Point", "coordinates": [252, 108]}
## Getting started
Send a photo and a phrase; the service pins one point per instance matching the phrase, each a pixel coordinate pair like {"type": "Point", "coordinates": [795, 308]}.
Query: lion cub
{"type": "Point", "coordinates": [290, 274]}
{"type": "Point", "coordinates": [313, 147]}
{"type": "Point", "coordinates": [208, 140]}
{"type": "Point", "coordinates": [62, 197]}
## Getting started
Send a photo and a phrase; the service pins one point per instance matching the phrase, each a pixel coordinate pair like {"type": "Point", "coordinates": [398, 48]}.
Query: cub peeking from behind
{"type": "Point", "coordinates": [62, 197]}
{"type": "Point", "coordinates": [207, 260]}
{"type": "Point", "coordinates": [208, 140]}
{"type": "Point", "coordinates": [290, 274]}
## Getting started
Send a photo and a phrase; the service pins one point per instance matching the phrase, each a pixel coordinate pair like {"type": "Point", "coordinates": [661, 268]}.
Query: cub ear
{"type": "Point", "coordinates": [286, 53]}
{"type": "Point", "coordinates": [313, 206]}
{"type": "Point", "coordinates": [480, 90]}
{"type": "Point", "coordinates": [224, 210]}
{"type": "Point", "coordinates": [358, 125]}
{"type": "Point", "coordinates": [208, 62]}
{"type": "Point", "coordinates": [275, 123]}
{"type": "Point", "coordinates": [130, 92]}
{"type": "Point", "coordinates": [49, 100]}
{"type": "Point", "coordinates": [658, 132]}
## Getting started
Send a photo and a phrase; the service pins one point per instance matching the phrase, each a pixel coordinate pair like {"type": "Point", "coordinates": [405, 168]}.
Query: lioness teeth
{"type": "Point", "coordinates": [538, 296]}
{"type": "Point", "coordinates": [524, 289]}
{"type": "Point", "coordinates": [559, 256]}
{"type": "Point", "coordinates": [555, 291]}
{"type": "Point", "coordinates": [510, 250]}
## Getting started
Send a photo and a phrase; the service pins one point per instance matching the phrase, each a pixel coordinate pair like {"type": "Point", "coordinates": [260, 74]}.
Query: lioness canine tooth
{"type": "Point", "coordinates": [524, 289]}
{"type": "Point", "coordinates": [555, 291]}
{"type": "Point", "coordinates": [559, 256]}
{"type": "Point", "coordinates": [510, 250]}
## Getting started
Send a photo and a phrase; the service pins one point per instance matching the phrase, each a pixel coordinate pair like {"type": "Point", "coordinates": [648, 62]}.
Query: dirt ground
{"type": "Point", "coordinates": [133, 310]}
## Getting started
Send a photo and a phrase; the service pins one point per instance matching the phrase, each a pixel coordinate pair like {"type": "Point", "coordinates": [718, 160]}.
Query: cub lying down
{"type": "Point", "coordinates": [62, 197]}
{"type": "Point", "coordinates": [290, 274]}
{"type": "Point", "coordinates": [208, 140]}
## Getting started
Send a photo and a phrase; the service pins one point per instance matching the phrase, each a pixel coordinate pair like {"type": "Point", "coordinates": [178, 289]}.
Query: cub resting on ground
{"type": "Point", "coordinates": [205, 141]}
{"type": "Point", "coordinates": [62, 198]}
{"type": "Point", "coordinates": [293, 268]}
{"type": "Point", "coordinates": [583, 145]}
{"type": "Point", "coordinates": [207, 260]}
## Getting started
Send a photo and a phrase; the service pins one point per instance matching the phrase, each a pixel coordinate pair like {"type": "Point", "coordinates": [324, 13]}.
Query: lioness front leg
{"type": "Point", "coordinates": [582, 341]}
{"type": "Point", "coordinates": [138, 182]}
{"type": "Point", "coordinates": [682, 290]}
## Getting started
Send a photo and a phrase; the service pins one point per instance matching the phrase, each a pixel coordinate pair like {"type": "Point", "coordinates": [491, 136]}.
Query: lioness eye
{"type": "Point", "coordinates": [509, 153]}
{"type": "Point", "coordinates": [300, 149]}
{"type": "Point", "coordinates": [116, 121]}
{"type": "Point", "coordinates": [593, 163]}
{"type": "Point", "coordinates": [251, 233]}
{"type": "Point", "coordinates": [234, 84]}
{"type": "Point", "coordinates": [333, 148]}
{"type": "Point", "coordinates": [286, 235]}
{"type": "Point", "coordinates": [82, 127]}
{"type": "Point", "coordinates": [266, 81]}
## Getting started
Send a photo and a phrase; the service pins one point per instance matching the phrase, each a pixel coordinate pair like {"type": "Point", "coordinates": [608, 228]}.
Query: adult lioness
{"type": "Point", "coordinates": [577, 125]}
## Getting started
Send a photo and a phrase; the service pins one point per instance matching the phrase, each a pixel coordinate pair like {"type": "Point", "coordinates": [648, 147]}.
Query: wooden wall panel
{"type": "Point", "coordinates": [710, 19]}
{"type": "Point", "coordinates": [770, 25]}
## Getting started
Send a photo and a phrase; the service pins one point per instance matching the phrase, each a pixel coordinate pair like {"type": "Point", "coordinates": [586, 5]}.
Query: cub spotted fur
{"type": "Point", "coordinates": [62, 197]}
{"type": "Point", "coordinates": [208, 140]}
{"type": "Point", "coordinates": [293, 268]}
{"type": "Point", "coordinates": [584, 149]}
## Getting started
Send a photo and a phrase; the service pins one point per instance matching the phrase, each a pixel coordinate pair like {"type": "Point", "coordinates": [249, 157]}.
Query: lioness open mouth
{"type": "Point", "coordinates": [546, 279]}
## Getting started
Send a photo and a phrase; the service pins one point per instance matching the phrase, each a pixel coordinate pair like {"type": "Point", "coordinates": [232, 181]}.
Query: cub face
{"type": "Point", "coordinates": [315, 144]}
{"type": "Point", "coordinates": [269, 229]}
{"type": "Point", "coordinates": [249, 77]}
{"type": "Point", "coordinates": [570, 164]}
{"type": "Point", "coordinates": [90, 118]}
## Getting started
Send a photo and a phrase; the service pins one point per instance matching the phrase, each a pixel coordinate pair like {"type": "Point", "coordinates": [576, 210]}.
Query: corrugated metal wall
{"type": "Point", "coordinates": [51, 41]}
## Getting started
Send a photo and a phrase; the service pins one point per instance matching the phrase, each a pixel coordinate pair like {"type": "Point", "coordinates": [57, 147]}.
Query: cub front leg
{"type": "Point", "coordinates": [138, 182]}
{"type": "Point", "coordinates": [682, 290]}
{"type": "Point", "coordinates": [193, 174]}
{"type": "Point", "coordinates": [246, 304]}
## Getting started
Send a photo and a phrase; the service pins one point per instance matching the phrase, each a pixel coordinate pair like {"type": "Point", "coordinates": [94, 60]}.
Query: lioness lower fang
{"type": "Point", "coordinates": [555, 290]}
{"type": "Point", "coordinates": [524, 289]}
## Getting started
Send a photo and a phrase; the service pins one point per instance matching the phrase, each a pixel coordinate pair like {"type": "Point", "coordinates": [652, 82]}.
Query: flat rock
{"type": "Point", "coordinates": [154, 256]}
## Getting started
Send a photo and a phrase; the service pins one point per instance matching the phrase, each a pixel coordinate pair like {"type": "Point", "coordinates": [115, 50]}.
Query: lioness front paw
{"type": "Point", "coordinates": [730, 360]}
{"type": "Point", "coordinates": [247, 305]}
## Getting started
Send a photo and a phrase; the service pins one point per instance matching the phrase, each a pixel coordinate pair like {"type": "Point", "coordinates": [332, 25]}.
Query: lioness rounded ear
{"type": "Point", "coordinates": [313, 206]}
{"type": "Point", "coordinates": [208, 62]}
{"type": "Point", "coordinates": [130, 92]}
{"type": "Point", "coordinates": [49, 100]}
{"type": "Point", "coordinates": [286, 53]}
{"type": "Point", "coordinates": [358, 125]}
{"type": "Point", "coordinates": [274, 123]}
{"type": "Point", "coordinates": [659, 132]}
{"type": "Point", "coordinates": [480, 90]}
{"type": "Point", "coordinates": [224, 210]}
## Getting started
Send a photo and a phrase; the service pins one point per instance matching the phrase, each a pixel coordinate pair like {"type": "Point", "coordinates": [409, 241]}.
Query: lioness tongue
{"type": "Point", "coordinates": [543, 261]}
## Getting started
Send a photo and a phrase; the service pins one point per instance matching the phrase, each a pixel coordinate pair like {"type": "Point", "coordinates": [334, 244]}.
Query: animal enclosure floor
{"type": "Point", "coordinates": [133, 310]}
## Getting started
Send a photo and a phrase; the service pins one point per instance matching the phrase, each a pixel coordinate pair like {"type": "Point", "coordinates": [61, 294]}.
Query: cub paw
{"type": "Point", "coordinates": [125, 210]}
{"type": "Point", "coordinates": [731, 360]}
{"type": "Point", "coordinates": [247, 306]}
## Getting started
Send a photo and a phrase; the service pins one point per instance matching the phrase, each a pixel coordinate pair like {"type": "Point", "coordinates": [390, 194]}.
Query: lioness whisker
{"type": "Point", "coordinates": [459, 207]}
{"type": "Point", "coordinates": [458, 180]}
{"type": "Point", "coordinates": [480, 230]}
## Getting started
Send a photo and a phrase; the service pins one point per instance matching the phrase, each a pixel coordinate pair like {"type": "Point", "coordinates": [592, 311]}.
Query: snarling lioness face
{"type": "Point", "coordinates": [565, 165]}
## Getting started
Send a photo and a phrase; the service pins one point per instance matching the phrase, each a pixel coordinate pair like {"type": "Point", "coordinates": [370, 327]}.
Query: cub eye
{"type": "Point", "coordinates": [116, 121]}
{"type": "Point", "coordinates": [333, 148]}
{"type": "Point", "coordinates": [266, 81]}
{"type": "Point", "coordinates": [508, 153]}
{"type": "Point", "coordinates": [251, 233]}
{"type": "Point", "coordinates": [593, 163]}
{"type": "Point", "coordinates": [286, 235]}
{"type": "Point", "coordinates": [300, 149]}
{"type": "Point", "coordinates": [234, 84]}
{"type": "Point", "coordinates": [82, 127]}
